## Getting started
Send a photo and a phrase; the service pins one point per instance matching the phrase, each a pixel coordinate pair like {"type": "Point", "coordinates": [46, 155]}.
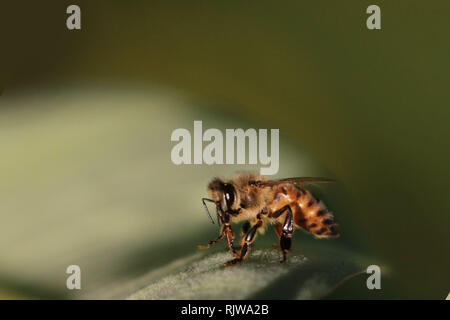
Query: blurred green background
{"type": "Point", "coordinates": [368, 107]}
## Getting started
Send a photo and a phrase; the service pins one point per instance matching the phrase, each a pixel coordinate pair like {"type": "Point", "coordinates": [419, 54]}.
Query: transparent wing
{"type": "Point", "coordinates": [299, 181]}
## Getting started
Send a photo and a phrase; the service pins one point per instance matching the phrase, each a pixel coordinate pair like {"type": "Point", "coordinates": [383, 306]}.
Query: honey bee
{"type": "Point", "coordinates": [257, 201]}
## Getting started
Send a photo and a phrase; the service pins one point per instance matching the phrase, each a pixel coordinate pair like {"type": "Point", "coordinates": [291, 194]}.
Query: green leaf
{"type": "Point", "coordinates": [261, 276]}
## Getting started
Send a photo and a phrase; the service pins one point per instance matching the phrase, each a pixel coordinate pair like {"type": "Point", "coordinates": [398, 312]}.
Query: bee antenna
{"type": "Point", "coordinates": [206, 208]}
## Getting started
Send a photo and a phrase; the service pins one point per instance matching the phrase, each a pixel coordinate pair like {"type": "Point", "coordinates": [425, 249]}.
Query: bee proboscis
{"type": "Point", "coordinates": [283, 203]}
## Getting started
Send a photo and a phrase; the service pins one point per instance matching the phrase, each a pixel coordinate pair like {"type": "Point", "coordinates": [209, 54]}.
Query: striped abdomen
{"type": "Point", "coordinates": [313, 216]}
{"type": "Point", "coordinates": [309, 213]}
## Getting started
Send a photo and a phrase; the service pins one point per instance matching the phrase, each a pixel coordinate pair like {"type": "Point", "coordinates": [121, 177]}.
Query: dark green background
{"type": "Point", "coordinates": [371, 105]}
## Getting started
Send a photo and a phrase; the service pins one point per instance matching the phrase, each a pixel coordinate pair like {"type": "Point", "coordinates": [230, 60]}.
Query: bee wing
{"type": "Point", "coordinates": [299, 181]}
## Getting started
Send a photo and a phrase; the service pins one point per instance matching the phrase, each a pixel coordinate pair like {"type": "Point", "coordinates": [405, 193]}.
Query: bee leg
{"type": "Point", "coordinates": [246, 241]}
{"type": "Point", "coordinates": [211, 242]}
{"type": "Point", "coordinates": [278, 231]}
{"type": "Point", "coordinates": [245, 227]}
{"type": "Point", "coordinates": [285, 244]}
{"type": "Point", "coordinates": [229, 234]}
{"type": "Point", "coordinates": [226, 232]}
{"type": "Point", "coordinates": [285, 233]}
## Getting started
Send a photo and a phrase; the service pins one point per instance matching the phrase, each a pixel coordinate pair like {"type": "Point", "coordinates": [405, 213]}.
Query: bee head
{"type": "Point", "coordinates": [224, 195]}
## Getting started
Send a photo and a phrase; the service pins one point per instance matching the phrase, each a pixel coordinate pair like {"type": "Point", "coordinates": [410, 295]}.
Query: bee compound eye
{"type": "Point", "coordinates": [229, 195]}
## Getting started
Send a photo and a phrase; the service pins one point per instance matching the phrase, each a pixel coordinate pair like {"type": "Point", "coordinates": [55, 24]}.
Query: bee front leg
{"type": "Point", "coordinates": [226, 232]}
{"type": "Point", "coordinates": [230, 238]}
{"type": "Point", "coordinates": [223, 231]}
{"type": "Point", "coordinates": [211, 242]}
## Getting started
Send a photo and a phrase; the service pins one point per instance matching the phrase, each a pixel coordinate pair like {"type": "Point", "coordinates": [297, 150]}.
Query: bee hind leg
{"type": "Point", "coordinates": [285, 244]}
{"type": "Point", "coordinates": [278, 231]}
{"type": "Point", "coordinates": [285, 231]}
